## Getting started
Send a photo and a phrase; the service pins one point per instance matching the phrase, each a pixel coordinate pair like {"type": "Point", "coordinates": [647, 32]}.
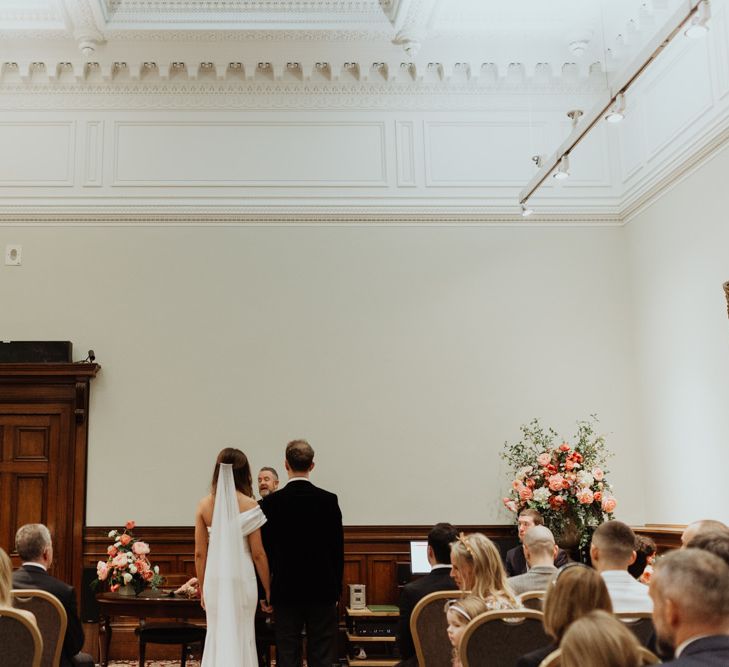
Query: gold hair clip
{"type": "Point", "coordinates": [462, 540]}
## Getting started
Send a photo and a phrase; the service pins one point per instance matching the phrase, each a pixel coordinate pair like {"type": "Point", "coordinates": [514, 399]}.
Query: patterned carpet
{"type": "Point", "coordinates": [152, 663]}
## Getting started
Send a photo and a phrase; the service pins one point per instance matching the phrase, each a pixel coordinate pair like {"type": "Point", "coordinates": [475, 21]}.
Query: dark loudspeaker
{"type": "Point", "coordinates": [403, 573]}
{"type": "Point", "coordinates": [33, 352]}
{"type": "Point", "coordinates": [89, 608]}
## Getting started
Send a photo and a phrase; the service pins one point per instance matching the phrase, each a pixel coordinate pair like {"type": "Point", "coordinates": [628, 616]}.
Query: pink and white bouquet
{"type": "Point", "coordinates": [127, 563]}
{"type": "Point", "coordinates": [565, 483]}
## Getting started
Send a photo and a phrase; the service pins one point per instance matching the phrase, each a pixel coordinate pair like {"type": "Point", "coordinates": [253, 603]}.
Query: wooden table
{"type": "Point", "coordinates": [149, 604]}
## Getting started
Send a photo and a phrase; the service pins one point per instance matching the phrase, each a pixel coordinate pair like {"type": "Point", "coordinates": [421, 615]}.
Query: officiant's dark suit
{"type": "Point", "coordinates": [304, 541]}
{"type": "Point", "coordinates": [32, 577]}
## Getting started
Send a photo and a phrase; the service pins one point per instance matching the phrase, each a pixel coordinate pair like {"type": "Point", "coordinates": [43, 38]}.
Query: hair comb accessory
{"type": "Point", "coordinates": [462, 539]}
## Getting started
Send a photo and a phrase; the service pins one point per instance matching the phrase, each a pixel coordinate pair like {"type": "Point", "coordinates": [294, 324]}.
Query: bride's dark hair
{"type": "Point", "coordinates": [241, 470]}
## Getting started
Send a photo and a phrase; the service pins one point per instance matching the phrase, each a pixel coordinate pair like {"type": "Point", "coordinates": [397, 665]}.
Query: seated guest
{"type": "Point", "coordinates": [516, 563]}
{"type": "Point", "coordinates": [702, 526]}
{"type": "Point", "coordinates": [599, 639]}
{"type": "Point", "coordinates": [540, 552]}
{"type": "Point", "coordinates": [438, 579]}
{"type": "Point", "coordinates": [459, 613]}
{"type": "Point", "coordinates": [6, 585]}
{"type": "Point", "coordinates": [33, 544]}
{"type": "Point", "coordinates": [612, 551]}
{"type": "Point", "coordinates": [716, 543]}
{"type": "Point", "coordinates": [577, 590]}
{"type": "Point", "coordinates": [477, 567]}
{"type": "Point", "coordinates": [642, 567]}
{"type": "Point", "coordinates": [690, 591]}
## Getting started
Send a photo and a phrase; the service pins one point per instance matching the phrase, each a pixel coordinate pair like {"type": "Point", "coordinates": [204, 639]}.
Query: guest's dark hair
{"type": "Point", "coordinates": [299, 455]}
{"type": "Point", "coordinates": [615, 540]}
{"type": "Point", "coordinates": [269, 469]}
{"type": "Point", "coordinates": [715, 542]}
{"type": "Point", "coordinates": [31, 541]}
{"type": "Point", "coordinates": [645, 547]}
{"type": "Point", "coordinates": [241, 470]}
{"type": "Point", "coordinates": [535, 516]}
{"type": "Point", "coordinates": [439, 539]}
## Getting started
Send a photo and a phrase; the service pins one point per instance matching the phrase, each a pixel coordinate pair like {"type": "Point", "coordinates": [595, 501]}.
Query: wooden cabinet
{"type": "Point", "coordinates": [43, 445]}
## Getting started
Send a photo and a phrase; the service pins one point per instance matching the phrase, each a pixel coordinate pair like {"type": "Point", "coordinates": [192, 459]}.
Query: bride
{"type": "Point", "coordinates": [227, 545]}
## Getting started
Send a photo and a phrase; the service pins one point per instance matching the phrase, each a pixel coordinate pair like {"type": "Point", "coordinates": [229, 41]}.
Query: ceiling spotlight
{"type": "Point", "coordinates": [575, 116]}
{"type": "Point", "coordinates": [697, 25]}
{"type": "Point", "coordinates": [526, 211]}
{"type": "Point", "coordinates": [563, 168]}
{"type": "Point", "coordinates": [616, 113]}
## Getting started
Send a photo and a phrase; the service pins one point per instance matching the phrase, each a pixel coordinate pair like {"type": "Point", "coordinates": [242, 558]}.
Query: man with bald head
{"type": "Point", "coordinates": [690, 592]}
{"type": "Point", "coordinates": [703, 526]}
{"type": "Point", "coordinates": [540, 550]}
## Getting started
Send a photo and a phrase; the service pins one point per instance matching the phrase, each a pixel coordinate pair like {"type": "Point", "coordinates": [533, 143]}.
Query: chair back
{"type": "Point", "coordinates": [428, 626]}
{"type": "Point", "coordinates": [51, 619]}
{"type": "Point", "coordinates": [640, 623]}
{"type": "Point", "coordinates": [533, 600]}
{"type": "Point", "coordinates": [554, 659]}
{"type": "Point", "coordinates": [499, 638]}
{"type": "Point", "coordinates": [20, 641]}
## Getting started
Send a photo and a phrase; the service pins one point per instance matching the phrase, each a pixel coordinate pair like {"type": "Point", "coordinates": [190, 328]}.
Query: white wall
{"type": "Point", "coordinates": [679, 260]}
{"type": "Point", "coordinates": [407, 355]}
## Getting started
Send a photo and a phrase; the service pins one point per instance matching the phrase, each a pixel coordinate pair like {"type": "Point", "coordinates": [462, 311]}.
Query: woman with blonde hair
{"type": "Point", "coordinates": [599, 639]}
{"type": "Point", "coordinates": [576, 591]}
{"type": "Point", "coordinates": [459, 613]}
{"type": "Point", "coordinates": [6, 585]}
{"type": "Point", "coordinates": [477, 567]}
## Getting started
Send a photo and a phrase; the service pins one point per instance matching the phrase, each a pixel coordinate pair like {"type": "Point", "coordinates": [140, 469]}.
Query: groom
{"type": "Point", "coordinates": [304, 540]}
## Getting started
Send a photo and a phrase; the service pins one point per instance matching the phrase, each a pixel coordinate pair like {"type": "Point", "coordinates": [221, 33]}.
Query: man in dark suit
{"type": "Point", "coordinates": [690, 591]}
{"type": "Point", "coordinates": [33, 544]}
{"type": "Point", "coordinates": [304, 540]}
{"type": "Point", "coordinates": [516, 563]}
{"type": "Point", "coordinates": [438, 579]}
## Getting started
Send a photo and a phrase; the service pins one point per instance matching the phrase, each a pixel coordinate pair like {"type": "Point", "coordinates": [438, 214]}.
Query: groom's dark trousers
{"type": "Point", "coordinates": [304, 542]}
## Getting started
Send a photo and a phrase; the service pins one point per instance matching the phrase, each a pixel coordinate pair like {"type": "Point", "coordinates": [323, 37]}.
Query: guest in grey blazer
{"type": "Point", "coordinates": [690, 591]}
{"type": "Point", "coordinates": [540, 550]}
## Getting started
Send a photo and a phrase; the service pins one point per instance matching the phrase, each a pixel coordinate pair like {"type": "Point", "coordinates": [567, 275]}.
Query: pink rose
{"type": "Point", "coordinates": [102, 570]}
{"type": "Point", "coordinates": [598, 474]}
{"type": "Point", "coordinates": [147, 575]}
{"type": "Point", "coordinates": [585, 497]}
{"type": "Point", "coordinates": [125, 539]}
{"type": "Point", "coordinates": [112, 550]}
{"type": "Point", "coordinates": [130, 525]}
{"type": "Point", "coordinates": [525, 493]}
{"type": "Point", "coordinates": [569, 464]}
{"type": "Point", "coordinates": [556, 482]}
{"type": "Point", "coordinates": [510, 505]}
{"type": "Point", "coordinates": [564, 447]}
{"type": "Point", "coordinates": [608, 504]}
{"type": "Point", "coordinates": [140, 548]}
{"type": "Point", "coordinates": [597, 496]}
{"type": "Point", "coordinates": [543, 459]}
{"type": "Point", "coordinates": [120, 561]}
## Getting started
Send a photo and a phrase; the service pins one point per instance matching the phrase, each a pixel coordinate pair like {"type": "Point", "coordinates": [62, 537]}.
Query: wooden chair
{"type": "Point", "coordinates": [640, 624]}
{"type": "Point", "coordinates": [51, 619]}
{"type": "Point", "coordinates": [554, 659]}
{"type": "Point", "coordinates": [428, 626]}
{"type": "Point", "coordinates": [533, 600]}
{"type": "Point", "coordinates": [499, 638]}
{"type": "Point", "coordinates": [181, 634]}
{"type": "Point", "coordinates": [20, 641]}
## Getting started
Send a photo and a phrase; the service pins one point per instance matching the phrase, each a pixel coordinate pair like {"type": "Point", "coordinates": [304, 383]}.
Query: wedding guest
{"type": "Point", "coordinates": [690, 591]}
{"type": "Point", "coordinates": [6, 585]}
{"type": "Point", "coordinates": [34, 546]}
{"type": "Point", "coordinates": [642, 567]}
{"type": "Point", "coordinates": [702, 526]}
{"type": "Point", "coordinates": [716, 542]}
{"type": "Point", "coordinates": [267, 481]}
{"type": "Point", "coordinates": [516, 563]}
{"type": "Point", "coordinates": [612, 551]}
{"type": "Point", "coordinates": [459, 613]}
{"type": "Point", "coordinates": [477, 567]}
{"type": "Point", "coordinates": [540, 551]}
{"type": "Point", "coordinates": [576, 591]}
{"type": "Point", "coordinates": [599, 639]}
{"type": "Point", "coordinates": [438, 579]}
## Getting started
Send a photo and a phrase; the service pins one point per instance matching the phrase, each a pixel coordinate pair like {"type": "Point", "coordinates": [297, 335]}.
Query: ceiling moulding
{"type": "Point", "coordinates": [149, 216]}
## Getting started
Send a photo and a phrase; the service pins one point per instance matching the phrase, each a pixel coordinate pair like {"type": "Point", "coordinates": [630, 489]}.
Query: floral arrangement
{"type": "Point", "coordinates": [127, 563]}
{"type": "Point", "coordinates": [190, 589]}
{"type": "Point", "coordinates": [565, 483]}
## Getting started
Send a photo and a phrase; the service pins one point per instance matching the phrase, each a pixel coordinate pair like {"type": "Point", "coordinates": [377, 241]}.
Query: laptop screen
{"type": "Point", "coordinates": [419, 557]}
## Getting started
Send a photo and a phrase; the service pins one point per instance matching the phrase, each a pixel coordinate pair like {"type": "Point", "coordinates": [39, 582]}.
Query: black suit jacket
{"type": "Point", "coordinates": [516, 561]}
{"type": "Point", "coordinates": [707, 652]}
{"type": "Point", "coordinates": [534, 658]}
{"type": "Point", "coordinates": [29, 577]}
{"type": "Point", "coordinates": [304, 542]}
{"type": "Point", "coordinates": [436, 580]}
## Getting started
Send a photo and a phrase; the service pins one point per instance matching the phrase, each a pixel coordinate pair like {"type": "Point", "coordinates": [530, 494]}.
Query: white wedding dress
{"type": "Point", "coordinates": [230, 586]}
